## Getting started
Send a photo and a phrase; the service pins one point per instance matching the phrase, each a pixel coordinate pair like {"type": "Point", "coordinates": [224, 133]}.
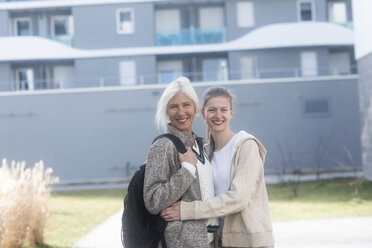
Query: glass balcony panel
{"type": "Point", "coordinates": [190, 37]}
{"type": "Point", "coordinates": [68, 40]}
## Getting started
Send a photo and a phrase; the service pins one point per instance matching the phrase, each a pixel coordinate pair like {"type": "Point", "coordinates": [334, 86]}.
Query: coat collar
{"type": "Point", "coordinates": [187, 139]}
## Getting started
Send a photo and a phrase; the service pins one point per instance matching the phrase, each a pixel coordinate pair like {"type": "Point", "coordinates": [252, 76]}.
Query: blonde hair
{"type": "Point", "coordinates": [208, 94]}
{"type": "Point", "coordinates": [181, 84]}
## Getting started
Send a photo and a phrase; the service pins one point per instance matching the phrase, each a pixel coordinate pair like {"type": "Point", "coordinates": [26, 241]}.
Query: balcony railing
{"type": "Point", "coordinates": [68, 40]}
{"type": "Point", "coordinates": [190, 36]}
{"type": "Point", "coordinates": [346, 24]}
{"type": "Point", "coordinates": [79, 82]}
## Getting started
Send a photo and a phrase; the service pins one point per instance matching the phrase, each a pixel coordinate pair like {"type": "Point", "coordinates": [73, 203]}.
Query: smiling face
{"type": "Point", "coordinates": [181, 112]}
{"type": "Point", "coordinates": [218, 112]}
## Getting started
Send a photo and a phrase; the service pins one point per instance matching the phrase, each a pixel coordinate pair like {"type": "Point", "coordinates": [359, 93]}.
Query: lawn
{"type": "Point", "coordinates": [74, 214]}
{"type": "Point", "coordinates": [323, 199]}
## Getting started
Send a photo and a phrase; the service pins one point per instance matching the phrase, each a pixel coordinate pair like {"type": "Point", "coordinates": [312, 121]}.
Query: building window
{"type": "Point", "coordinates": [215, 70]}
{"type": "Point", "coordinates": [317, 107]}
{"type": "Point", "coordinates": [337, 12]}
{"type": "Point", "coordinates": [247, 67]}
{"type": "Point", "coordinates": [169, 71]}
{"type": "Point", "coordinates": [63, 76]}
{"type": "Point", "coordinates": [61, 25]}
{"type": "Point", "coordinates": [125, 21]}
{"type": "Point", "coordinates": [211, 18]}
{"type": "Point", "coordinates": [127, 70]}
{"type": "Point", "coordinates": [167, 20]}
{"type": "Point", "coordinates": [245, 14]}
{"type": "Point", "coordinates": [24, 79]}
{"type": "Point", "coordinates": [22, 26]}
{"type": "Point", "coordinates": [309, 64]}
{"type": "Point", "coordinates": [306, 10]}
{"type": "Point", "coordinates": [339, 63]}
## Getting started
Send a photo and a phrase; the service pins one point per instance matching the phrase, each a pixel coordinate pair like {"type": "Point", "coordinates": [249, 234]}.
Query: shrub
{"type": "Point", "coordinates": [24, 195]}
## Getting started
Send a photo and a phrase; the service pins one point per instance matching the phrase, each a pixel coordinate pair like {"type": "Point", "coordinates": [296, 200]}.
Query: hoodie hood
{"type": "Point", "coordinates": [243, 136]}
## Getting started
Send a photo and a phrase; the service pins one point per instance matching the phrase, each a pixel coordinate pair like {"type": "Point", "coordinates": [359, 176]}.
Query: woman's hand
{"type": "Point", "coordinates": [188, 156]}
{"type": "Point", "coordinates": [172, 213]}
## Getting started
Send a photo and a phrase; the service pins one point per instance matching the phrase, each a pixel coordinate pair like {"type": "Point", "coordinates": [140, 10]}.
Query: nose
{"type": "Point", "coordinates": [180, 110]}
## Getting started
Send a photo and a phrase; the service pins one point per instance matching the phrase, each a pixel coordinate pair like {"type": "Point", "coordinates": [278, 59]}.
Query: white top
{"type": "Point", "coordinates": [205, 173]}
{"type": "Point", "coordinates": [221, 163]}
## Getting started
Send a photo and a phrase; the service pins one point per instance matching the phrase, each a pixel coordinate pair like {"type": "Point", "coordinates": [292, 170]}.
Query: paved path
{"type": "Point", "coordinates": [328, 233]}
{"type": "Point", "coordinates": [107, 235]}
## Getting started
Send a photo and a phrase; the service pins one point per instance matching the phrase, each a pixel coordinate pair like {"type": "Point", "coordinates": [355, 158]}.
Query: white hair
{"type": "Point", "coordinates": [181, 84]}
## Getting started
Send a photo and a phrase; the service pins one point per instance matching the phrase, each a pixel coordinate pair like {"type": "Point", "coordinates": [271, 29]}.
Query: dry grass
{"type": "Point", "coordinates": [24, 195]}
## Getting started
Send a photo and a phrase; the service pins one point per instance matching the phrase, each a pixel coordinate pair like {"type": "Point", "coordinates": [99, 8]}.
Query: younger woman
{"type": "Point", "coordinates": [237, 160]}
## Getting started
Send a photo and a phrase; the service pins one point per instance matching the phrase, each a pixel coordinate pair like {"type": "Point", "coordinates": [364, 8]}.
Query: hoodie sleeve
{"type": "Point", "coordinates": [161, 189]}
{"type": "Point", "coordinates": [248, 166]}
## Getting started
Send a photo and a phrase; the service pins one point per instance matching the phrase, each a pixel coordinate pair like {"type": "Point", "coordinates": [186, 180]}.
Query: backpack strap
{"type": "Point", "coordinates": [176, 141]}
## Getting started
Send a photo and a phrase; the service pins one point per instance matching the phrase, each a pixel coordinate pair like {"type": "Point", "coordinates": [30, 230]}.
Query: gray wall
{"type": "Point", "coordinates": [5, 76]}
{"type": "Point", "coordinates": [284, 62]}
{"type": "Point", "coordinates": [365, 91]}
{"type": "Point", "coordinates": [3, 23]}
{"type": "Point", "coordinates": [271, 11]}
{"type": "Point", "coordinates": [88, 71]}
{"type": "Point", "coordinates": [95, 133]}
{"type": "Point", "coordinates": [95, 26]}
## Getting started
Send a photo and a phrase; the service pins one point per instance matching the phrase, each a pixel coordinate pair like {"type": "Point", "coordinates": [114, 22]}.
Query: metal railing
{"type": "Point", "coordinates": [190, 36]}
{"type": "Point", "coordinates": [212, 76]}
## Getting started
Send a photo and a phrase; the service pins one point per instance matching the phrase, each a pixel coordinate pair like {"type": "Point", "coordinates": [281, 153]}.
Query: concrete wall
{"type": "Point", "coordinates": [101, 19]}
{"type": "Point", "coordinates": [102, 133]}
{"type": "Point", "coordinates": [3, 23]}
{"type": "Point", "coordinates": [283, 62]}
{"type": "Point", "coordinates": [365, 91]}
{"type": "Point", "coordinates": [283, 11]}
{"type": "Point", "coordinates": [5, 76]}
{"type": "Point", "coordinates": [89, 71]}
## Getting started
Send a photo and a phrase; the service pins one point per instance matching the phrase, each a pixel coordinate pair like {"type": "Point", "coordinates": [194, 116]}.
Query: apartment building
{"type": "Point", "coordinates": [90, 43]}
{"type": "Point", "coordinates": [79, 79]}
{"type": "Point", "coordinates": [363, 52]}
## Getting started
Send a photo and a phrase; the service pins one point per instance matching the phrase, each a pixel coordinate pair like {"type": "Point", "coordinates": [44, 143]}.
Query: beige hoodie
{"type": "Point", "coordinates": [245, 206]}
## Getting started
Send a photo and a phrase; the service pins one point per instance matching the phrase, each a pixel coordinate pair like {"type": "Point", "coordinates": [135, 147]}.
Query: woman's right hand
{"type": "Point", "coordinates": [188, 156]}
{"type": "Point", "coordinates": [172, 213]}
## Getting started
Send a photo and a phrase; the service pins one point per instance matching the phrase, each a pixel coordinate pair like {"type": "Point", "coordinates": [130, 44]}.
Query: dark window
{"type": "Point", "coordinates": [306, 11]}
{"type": "Point", "coordinates": [317, 107]}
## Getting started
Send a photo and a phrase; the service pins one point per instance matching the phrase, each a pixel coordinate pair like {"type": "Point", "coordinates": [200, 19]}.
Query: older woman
{"type": "Point", "coordinates": [238, 172]}
{"type": "Point", "coordinates": [166, 180]}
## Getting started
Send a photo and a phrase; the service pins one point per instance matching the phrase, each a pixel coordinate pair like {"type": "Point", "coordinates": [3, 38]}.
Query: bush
{"type": "Point", "coordinates": [24, 195]}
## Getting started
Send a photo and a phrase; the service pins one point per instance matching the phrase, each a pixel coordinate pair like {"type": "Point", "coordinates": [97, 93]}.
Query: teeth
{"type": "Point", "coordinates": [218, 122]}
{"type": "Point", "coordinates": [182, 121]}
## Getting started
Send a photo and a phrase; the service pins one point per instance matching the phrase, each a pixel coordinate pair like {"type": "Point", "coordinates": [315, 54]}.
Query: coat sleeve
{"type": "Point", "coordinates": [243, 184]}
{"type": "Point", "coordinates": [161, 189]}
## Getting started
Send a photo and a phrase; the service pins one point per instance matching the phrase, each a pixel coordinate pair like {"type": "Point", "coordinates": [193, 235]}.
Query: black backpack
{"type": "Point", "coordinates": [140, 229]}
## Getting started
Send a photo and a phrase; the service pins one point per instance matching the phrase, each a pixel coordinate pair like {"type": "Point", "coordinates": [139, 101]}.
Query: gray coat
{"type": "Point", "coordinates": [165, 183]}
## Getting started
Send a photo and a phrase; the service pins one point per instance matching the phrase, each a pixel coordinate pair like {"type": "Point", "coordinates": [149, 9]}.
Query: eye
{"type": "Point", "coordinates": [186, 105]}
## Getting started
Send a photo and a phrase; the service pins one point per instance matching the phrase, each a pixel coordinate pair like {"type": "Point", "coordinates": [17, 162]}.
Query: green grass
{"type": "Point", "coordinates": [74, 214]}
{"type": "Point", "coordinates": [316, 200]}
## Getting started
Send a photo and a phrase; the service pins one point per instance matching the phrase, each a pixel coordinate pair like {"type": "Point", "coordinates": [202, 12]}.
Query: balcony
{"type": "Point", "coordinates": [346, 24]}
{"type": "Point", "coordinates": [256, 75]}
{"type": "Point", "coordinates": [190, 37]}
{"type": "Point", "coordinates": [68, 40]}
